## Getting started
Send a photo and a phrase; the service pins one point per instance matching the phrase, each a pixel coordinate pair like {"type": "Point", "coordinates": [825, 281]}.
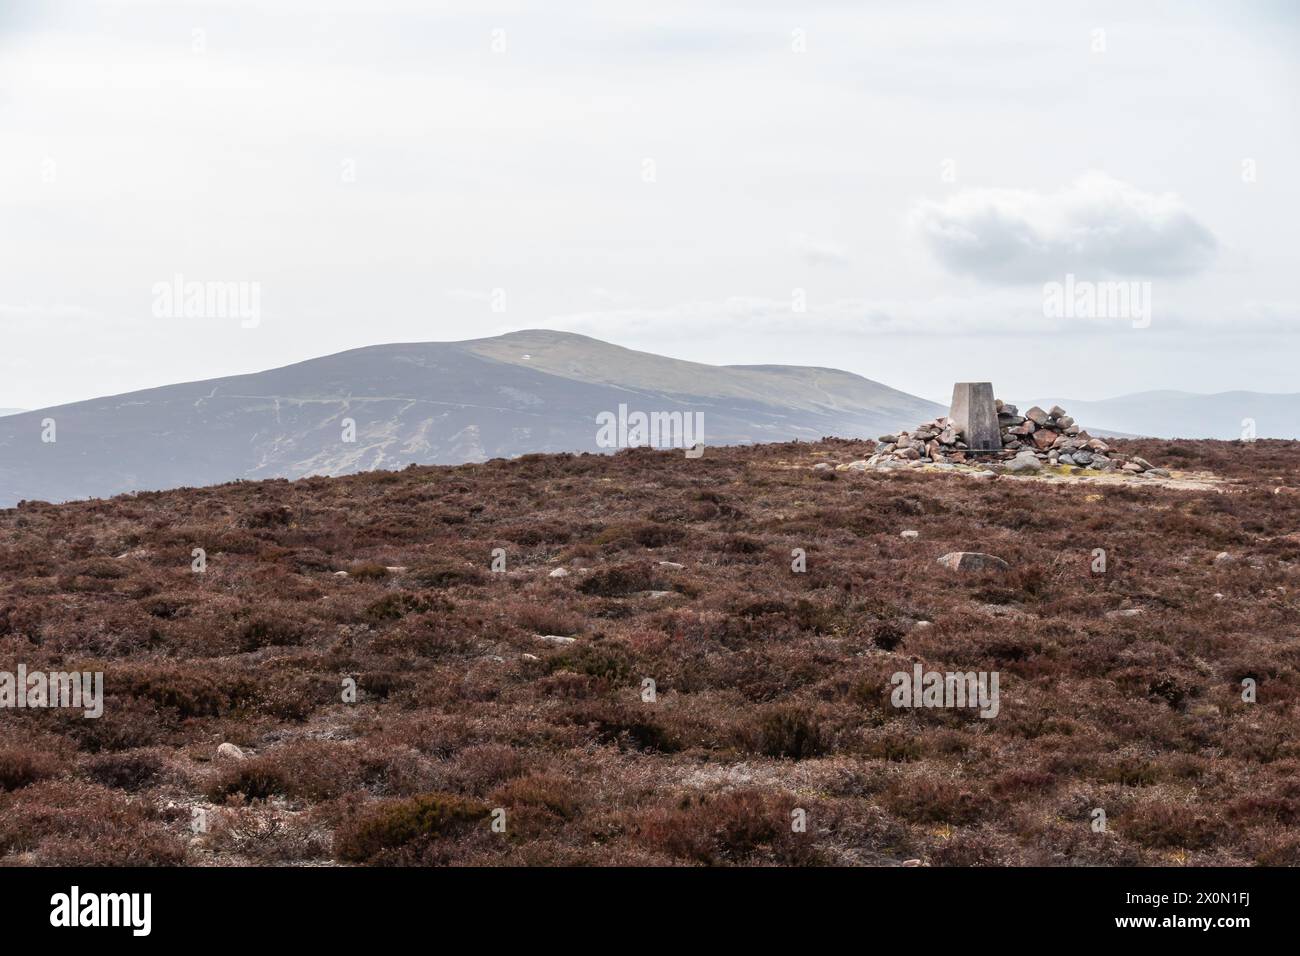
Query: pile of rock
{"type": "Point", "coordinates": [1029, 442]}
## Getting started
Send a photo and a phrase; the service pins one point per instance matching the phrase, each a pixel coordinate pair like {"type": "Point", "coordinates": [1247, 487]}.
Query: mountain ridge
{"type": "Point", "coordinates": [418, 403]}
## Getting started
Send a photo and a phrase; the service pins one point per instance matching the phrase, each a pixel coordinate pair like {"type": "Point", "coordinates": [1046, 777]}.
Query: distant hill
{"type": "Point", "coordinates": [424, 403]}
{"type": "Point", "coordinates": [1172, 414]}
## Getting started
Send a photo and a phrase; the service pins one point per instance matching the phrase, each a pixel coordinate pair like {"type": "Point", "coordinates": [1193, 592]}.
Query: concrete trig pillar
{"type": "Point", "coordinates": [975, 416]}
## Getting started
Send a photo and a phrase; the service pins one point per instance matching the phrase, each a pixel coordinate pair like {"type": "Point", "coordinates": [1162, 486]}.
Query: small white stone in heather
{"type": "Point", "coordinates": [559, 573]}
{"type": "Point", "coordinates": [556, 639]}
{"type": "Point", "coordinates": [910, 535]}
{"type": "Point", "coordinates": [229, 751]}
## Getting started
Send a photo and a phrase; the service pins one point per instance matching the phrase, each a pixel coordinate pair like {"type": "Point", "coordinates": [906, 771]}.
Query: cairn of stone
{"type": "Point", "coordinates": [1029, 442]}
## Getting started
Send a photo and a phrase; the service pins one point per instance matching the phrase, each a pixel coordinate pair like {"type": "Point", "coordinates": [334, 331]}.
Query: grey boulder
{"type": "Point", "coordinates": [973, 561]}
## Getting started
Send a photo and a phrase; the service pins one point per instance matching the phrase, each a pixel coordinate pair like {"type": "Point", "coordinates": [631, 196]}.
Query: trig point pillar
{"type": "Point", "coordinates": [975, 416]}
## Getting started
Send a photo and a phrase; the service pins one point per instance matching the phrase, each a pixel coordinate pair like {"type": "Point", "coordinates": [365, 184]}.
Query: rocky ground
{"type": "Point", "coordinates": [679, 662]}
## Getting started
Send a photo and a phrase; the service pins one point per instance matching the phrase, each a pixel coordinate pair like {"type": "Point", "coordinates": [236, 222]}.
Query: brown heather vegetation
{"type": "Point", "coordinates": [772, 686]}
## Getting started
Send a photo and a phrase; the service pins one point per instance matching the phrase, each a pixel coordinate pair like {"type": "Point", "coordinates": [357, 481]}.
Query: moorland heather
{"type": "Point", "coordinates": [649, 680]}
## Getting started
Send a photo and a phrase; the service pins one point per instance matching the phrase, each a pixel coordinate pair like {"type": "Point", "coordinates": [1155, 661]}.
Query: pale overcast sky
{"type": "Point", "coordinates": [660, 175]}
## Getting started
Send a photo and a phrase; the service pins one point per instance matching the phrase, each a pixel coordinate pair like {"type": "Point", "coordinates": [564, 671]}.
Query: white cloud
{"type": "Point", "coordinates": [1095, 228]}
{"type": "Point", "coordinates": [819, 252]}
{"type": "Point", "coordinates": [468, 295]}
